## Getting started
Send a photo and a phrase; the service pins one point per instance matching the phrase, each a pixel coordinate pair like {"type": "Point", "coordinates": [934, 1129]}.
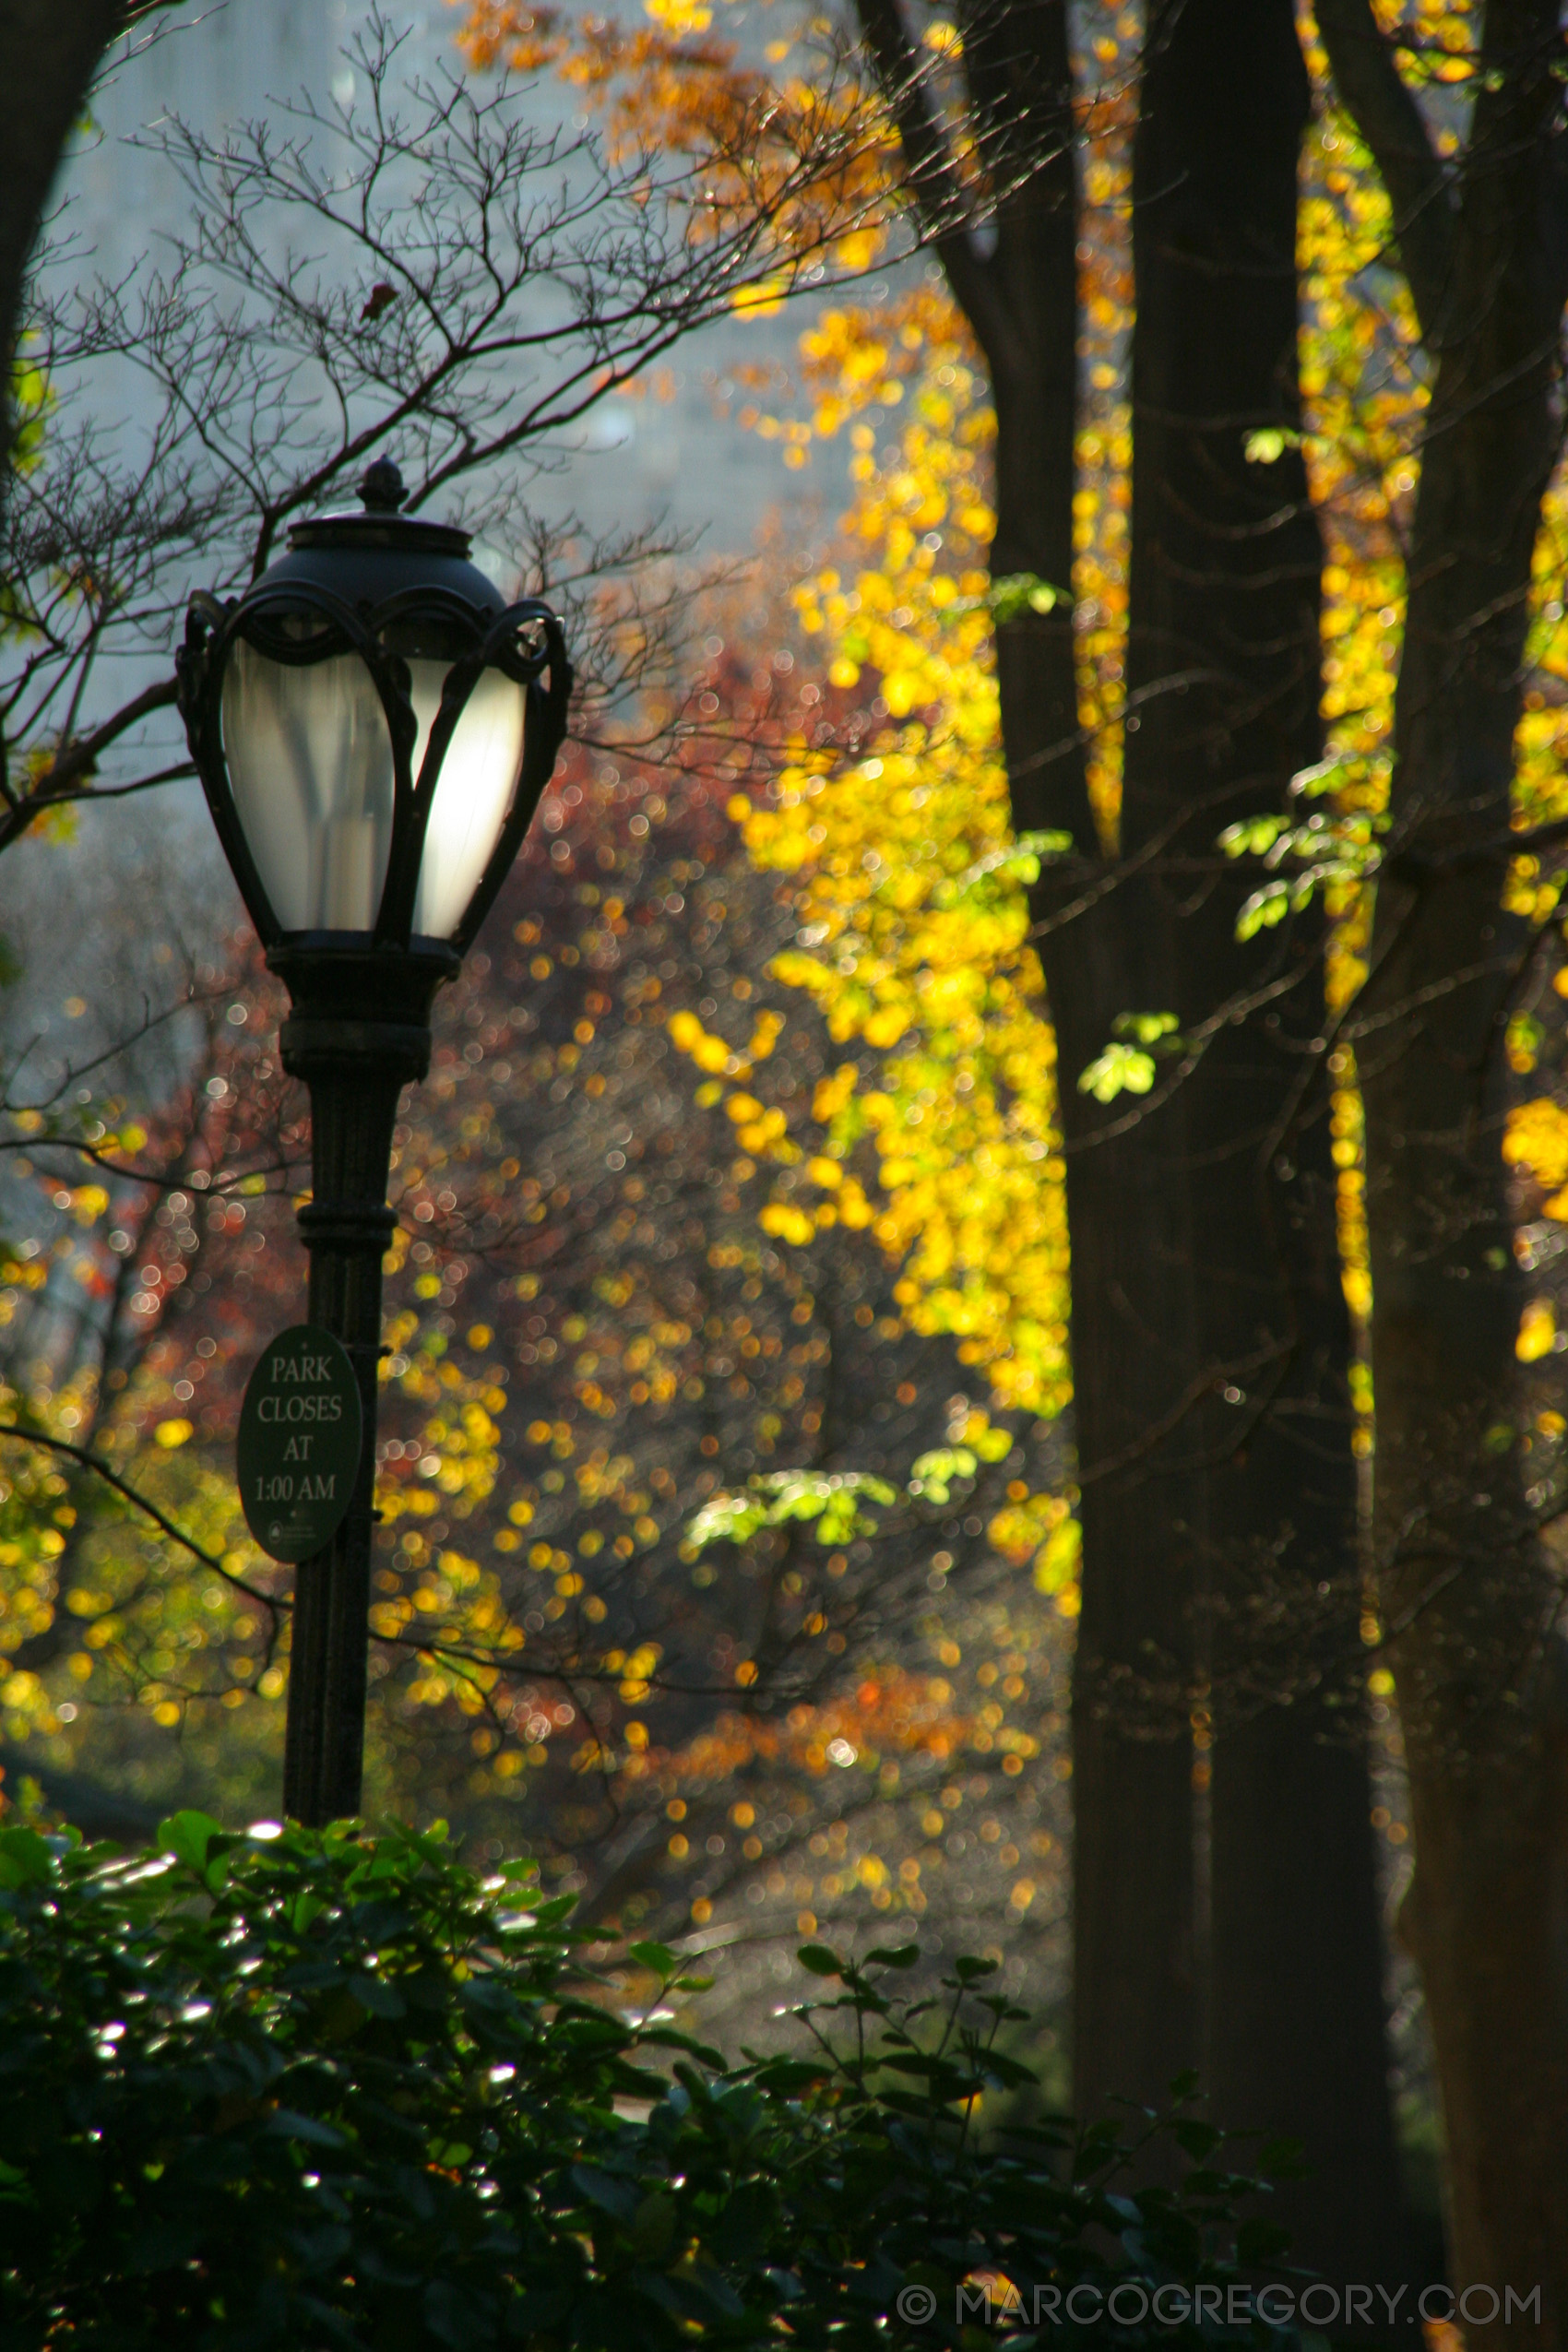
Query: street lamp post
{"type": "Point", "coordinates": [374, 728]}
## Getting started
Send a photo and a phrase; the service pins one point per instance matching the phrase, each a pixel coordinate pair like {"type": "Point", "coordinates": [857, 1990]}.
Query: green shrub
{"type": "Point", "coordinates": [311, 2090]}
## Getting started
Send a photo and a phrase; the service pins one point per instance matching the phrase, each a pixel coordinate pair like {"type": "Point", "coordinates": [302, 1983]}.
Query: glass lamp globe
{"type": "Point", "coordinates": [374, 726]}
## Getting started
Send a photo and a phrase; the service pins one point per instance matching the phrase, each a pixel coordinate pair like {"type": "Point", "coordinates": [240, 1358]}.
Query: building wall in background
{"type": "Point", "coordinates": [638, 459]}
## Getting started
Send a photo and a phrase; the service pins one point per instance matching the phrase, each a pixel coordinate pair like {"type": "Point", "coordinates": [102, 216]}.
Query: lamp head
{"type": "Point", "coordinates": [374, 726]}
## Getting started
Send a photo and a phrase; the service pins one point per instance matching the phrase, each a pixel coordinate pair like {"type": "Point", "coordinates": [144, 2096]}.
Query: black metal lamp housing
{"type": "Point", "coordinates": [373, 727]}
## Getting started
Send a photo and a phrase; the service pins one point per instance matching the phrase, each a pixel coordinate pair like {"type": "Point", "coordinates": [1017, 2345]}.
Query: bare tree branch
{"type": "Point", "coordinates": [111, 1477]}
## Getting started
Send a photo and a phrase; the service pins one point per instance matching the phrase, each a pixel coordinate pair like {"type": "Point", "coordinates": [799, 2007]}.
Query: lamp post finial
{"type": "Point", "coordinates": [383, 488]}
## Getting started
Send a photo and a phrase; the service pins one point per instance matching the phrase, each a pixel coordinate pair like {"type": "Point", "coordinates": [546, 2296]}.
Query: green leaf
{"type": "Point", "coordinates": [1263, 910]}
{"type": "Point", "coordinates": [188, 1836]}
{"type": "Point", "coordinates": [1324, 776]}
{"type": "Point", "coordinates": [381, 1998]}
{"type": "Point", "coordinates": [780, 1497]}
{"type": "Point", "coordinates": [26, 1859]}
{"type": "Point", "coordinates": [558, 1907]}
{"type": "Point", "coordinates": [657, 1957]}
{"type": "Point", "coordinates": [1253, 836]}
{"type": "Point", "coordinates": [608, 2190]}
{"type": "Point", "coordinates": [1146, 1029]}
{"type": "Point", "coordinates": [727, 1519]}
{"type": "Point", "coordinates": [932, 1475]}
{"type": "Point", "coordinates": [1128, 1065]}
{"type": "Point", "coordinates": [1018, 862]}
{"type": "Point", "coordinates": [819, 1960]}
{"type": "Point", "coordinates": [653, 2225]}
{"type": "Point", "coordinates": [1020, 592]}
{"type": "Point", "coordinates": [288, 2124]}
{"type": "Point", "coordinates": [1269, 443]}
{"type": "Point", "coordinates": [1120, 1069]}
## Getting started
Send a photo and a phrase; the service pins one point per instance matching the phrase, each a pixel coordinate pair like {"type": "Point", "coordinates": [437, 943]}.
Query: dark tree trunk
{"type": "Point", "coordinates": [1136, 2005]}
{"type": "Point", "coordinates": [1215, 1424]}
{"type": "Point", "coordinates": [1256, 1489]}
{"type": "Point", "coordinates": [1229, 1923]}
{"type": "Point", "coordinates": [48, 55]}
{"type": "Point", "coordinates": [1469, 1598]}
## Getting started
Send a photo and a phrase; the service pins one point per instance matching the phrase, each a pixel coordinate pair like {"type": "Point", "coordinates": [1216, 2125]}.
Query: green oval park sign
{"type": "Point", "coordinates": [298, 1448]}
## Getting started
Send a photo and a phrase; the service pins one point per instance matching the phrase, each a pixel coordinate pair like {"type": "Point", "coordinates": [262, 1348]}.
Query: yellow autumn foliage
{"type": "Point", "coordinates": [911, 940]}
{"type": "Point", "coordinates": [1538, 1331]}
{"type": "Point", "coordinates": [1536, 1140]}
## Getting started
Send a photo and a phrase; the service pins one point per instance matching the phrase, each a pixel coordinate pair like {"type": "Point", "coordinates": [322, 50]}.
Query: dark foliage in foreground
{"type": "Point", "coordinates": [332, 2089]}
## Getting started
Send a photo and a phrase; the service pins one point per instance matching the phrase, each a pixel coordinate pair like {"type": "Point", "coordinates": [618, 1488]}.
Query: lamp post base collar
{"type": "Point", "coordinates": [395, 1047]}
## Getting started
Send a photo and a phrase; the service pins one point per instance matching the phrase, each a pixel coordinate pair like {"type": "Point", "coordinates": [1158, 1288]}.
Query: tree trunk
{"type": "Point", "coordinates": [48, 55]}
{"type": "Point", "coordinates": [1469, 1596]}
{"type": "Point", "coordinates": [1226, 1898]}
{"type": "Point", "coordinates": [1232, 1926]}
{"type": "Point", "coordinates": [1254, 1479]}
{"type": "Point", "coordinates": [1136, 1973]}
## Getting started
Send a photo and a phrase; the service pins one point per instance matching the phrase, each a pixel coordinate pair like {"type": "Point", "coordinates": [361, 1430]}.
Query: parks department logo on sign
{"type": "Point", "coordinates": [298, 1449]}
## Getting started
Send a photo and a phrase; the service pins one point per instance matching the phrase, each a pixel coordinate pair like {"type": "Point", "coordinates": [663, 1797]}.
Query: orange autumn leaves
{"type": "Point", "coordinates": [795, 170]}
